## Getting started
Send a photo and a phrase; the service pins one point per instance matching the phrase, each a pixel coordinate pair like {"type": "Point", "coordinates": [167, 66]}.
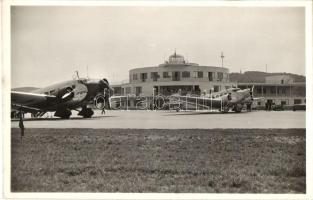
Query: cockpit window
{"type": "Point", "coordinates": [82, 80]}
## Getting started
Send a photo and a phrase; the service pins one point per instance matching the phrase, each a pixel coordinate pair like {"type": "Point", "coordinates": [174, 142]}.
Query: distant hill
{"type": "Point", "coordinates": [259, 77]}
{"type": "Point", "coordinates": [25, 89]}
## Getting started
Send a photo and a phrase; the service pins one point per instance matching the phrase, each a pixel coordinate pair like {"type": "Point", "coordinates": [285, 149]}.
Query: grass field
{"type": "Point", "coordinates": [138, 160]}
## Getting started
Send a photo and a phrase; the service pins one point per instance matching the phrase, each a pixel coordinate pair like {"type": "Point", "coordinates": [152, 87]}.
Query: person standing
{"type": "Point", "coordinates": [21, 124]}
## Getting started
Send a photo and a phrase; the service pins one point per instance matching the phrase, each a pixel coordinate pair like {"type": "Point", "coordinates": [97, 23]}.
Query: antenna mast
{"type": "Point", "coordinates": [77, 74]}
{"type": "Point", "coordinates": [222, 57]}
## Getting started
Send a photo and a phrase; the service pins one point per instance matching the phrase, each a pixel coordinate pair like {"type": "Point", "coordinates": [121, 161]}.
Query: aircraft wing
{"type": "Point", "coordinates": [203, 101]}
{"type": "Point", "coordinates": [257, 98]}
{"type": "Point", "coordinates": [30, 102]}
{"type": "Point", "coordinates": [118, 98]}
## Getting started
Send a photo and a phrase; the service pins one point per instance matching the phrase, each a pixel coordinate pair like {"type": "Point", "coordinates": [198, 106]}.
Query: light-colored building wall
{"type": "Point", "coordinates": [148, 87]}
{"type": "Point", "coordinates": [279, 79]}
{"type": "Point", "coordinates": [175, 74]}
{"type": "Point", "coordinates": [286, 94]}
{"type": "Point", "coordinates": [135, 74]}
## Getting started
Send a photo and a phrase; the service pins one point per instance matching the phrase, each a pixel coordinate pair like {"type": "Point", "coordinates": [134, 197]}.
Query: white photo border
{"type": "Point", "coordinates": [6, 87]}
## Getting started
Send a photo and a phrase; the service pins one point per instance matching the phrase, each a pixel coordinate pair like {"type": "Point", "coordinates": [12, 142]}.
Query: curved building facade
{"type": "Point", "coordinates": [175, 75]}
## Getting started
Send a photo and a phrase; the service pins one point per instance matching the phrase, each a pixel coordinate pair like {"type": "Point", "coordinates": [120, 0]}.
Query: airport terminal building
{"type": "Point", "coordinates": [176, 75]}
{"type": "Point", "coordinates": [173, 76]}
{"type": "Point", "coordinates": [279, 90]}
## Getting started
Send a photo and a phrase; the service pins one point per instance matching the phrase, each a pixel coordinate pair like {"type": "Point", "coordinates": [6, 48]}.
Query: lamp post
{"type": "Point", "coordinates": [211, 98]}
{"type": "Point", "coordinates": [222, 57]}
{"type": "Point", "coordinates": [153, 94]}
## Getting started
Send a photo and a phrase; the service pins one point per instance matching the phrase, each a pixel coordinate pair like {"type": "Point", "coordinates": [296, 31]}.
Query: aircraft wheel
{"type": "Point", "coordinates": [225, 111]}
{"type": "Point", "coordinates": [249, 107]}
{"type": "Point", "coordinates": [88, 113]}
{"type": "Point", "coordinates": [237, 110]}
{"type": "Point", "coordinates": [63, 114]}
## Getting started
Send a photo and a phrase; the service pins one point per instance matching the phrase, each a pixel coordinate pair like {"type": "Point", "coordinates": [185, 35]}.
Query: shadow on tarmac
{"type": "Point", "coordinates": [204, 113]}
{"type": "Point", "coordinates": [59, 119]}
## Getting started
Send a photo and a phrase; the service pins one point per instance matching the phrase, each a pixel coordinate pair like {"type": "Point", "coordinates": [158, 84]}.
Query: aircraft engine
{"type": "Point", "coordinates": [99, 101]}
{"type": "Point", "coordinates": [107, 92]}
{"type": "Point", "coordinates": [66, 94]}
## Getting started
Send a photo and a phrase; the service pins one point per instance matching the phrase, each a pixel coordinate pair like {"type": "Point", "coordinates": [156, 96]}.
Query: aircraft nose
{"type": "Point", "coordinates": [103, 84]}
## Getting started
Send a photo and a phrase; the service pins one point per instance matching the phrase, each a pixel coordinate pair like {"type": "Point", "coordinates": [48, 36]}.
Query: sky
{"type": "Point", "coordinates": [49, 43]}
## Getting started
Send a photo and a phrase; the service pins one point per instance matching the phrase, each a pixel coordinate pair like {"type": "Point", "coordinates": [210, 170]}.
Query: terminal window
{"type": "Point", "coordinates": [186, 74]}
{"type": "Point", "coordinates": [297, 101]}
{"type": "Point", "coordinates": [283, 90]}
{"type": "Point", "coordinates": [198, 74]}
{"type": "Point", "coordinates": [210, 75]}
{"type": "Point", "coordinates": [220, 76]}
{"type": "Point", "coordinates": [143, 77]}
{"type": "Point", "coordinates": [138, 90]}
{"type": "Point", "coordinates": [128, 90]}
{"type": "Point", "coordinates": [216, 88]}
{"type": "Point", "coordinates": [154, 76]}
{"type": "Point", "coordinates": [166, 75]}
{"type": "Point", "coordinates": [135, 76]}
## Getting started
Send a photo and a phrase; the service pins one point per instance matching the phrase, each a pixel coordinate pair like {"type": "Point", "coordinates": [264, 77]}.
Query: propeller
{"type": "Point", "coordinates": [251, 92]}
{"type": "Point", "coordinates": [107, 91]}
{"type": "Point", "coordinates": [68, 95]}
{"type": "Point", "coordinates": [229, 96]}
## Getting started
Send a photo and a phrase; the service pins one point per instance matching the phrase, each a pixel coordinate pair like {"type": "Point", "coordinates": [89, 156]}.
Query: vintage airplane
{"type": "Point", "coordinates": [63, 97]}
{"type": "Point", "coordinates": [231, 99]}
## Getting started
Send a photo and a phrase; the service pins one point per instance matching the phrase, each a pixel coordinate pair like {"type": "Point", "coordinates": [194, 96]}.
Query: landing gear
{"type": "Point", "coordinates": [237, 108]}
{"type": "Point", "coordinates": [225, 109]}
{"type": "Point", "coordinates": [249, 107]}
{"type": "Point", "coordinates": [64, 114]}
{"type": "Point", "coordinates": [86, 112]}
